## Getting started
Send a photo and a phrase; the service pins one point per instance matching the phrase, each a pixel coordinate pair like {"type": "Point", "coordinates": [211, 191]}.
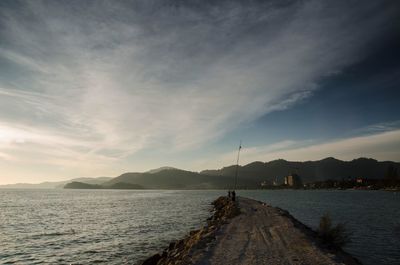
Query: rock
{"type": "Point", "coordinates": [171, 245]}
{"type": "Point", "coordinates": [153, 260]}
{"type": "Point", "coordinates": [180, 252]}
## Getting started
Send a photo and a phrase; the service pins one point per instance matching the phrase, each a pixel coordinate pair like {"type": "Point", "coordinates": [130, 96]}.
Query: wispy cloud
{"type": "Point", "coordinates": [379, 127]}
{"type": "Point", "coordinates": [106, 80]}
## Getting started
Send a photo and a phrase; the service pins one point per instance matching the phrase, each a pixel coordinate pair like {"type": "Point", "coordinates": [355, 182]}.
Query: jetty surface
{"type": "Point", "coordinates": [249, 232]}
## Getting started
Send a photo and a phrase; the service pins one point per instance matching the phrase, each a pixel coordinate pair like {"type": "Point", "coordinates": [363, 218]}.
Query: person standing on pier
{"type": "Point", "coordinates": [236, 172]}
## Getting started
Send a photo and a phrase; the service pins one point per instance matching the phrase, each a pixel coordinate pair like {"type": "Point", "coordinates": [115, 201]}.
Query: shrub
{"type": "Point", "coordinates": [336, 236]}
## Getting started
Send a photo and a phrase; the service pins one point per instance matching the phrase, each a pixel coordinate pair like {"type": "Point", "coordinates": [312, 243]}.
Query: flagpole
{"type": "Point", "coordinates": [237, 164]}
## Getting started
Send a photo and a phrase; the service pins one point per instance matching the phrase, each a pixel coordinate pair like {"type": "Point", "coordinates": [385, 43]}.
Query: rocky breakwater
{"type": "Point", "coordinates": [192, 248]}
{"type": "Point", "coordinates": [257, 234]}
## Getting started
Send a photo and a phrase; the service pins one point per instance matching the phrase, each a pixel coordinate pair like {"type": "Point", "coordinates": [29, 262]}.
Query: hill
{"type": "Point", "coordinates": [328, 168]}
{"type": "Point", "coordinates": [81, 185]}
{"type": "Point", "coordinates": [172, 178]}
{"type": "Point", "coordinates": [118, 185]}
{"type": "Point", "coordinates": [123, 186]}
{"type": "Point", "coordinates": [160, 169]}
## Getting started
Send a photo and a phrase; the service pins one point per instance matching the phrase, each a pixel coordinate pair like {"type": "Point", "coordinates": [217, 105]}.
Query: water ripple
{"type": "Point", "coordinates": [124, 227]}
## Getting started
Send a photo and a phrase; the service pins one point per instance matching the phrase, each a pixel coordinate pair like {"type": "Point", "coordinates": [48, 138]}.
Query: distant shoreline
{"type": "Point", "coordinates": [222, 189]}
{"type": "Point", "coordinates": [326, 173]}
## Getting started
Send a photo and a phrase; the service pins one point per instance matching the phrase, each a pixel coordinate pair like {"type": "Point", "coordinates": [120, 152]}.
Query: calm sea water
{"type": "Point", "coordinates": [123, 227]}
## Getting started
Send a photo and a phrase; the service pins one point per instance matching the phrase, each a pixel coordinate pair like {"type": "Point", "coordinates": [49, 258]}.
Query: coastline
{"type": "Point", "coordinates": [275, 236]}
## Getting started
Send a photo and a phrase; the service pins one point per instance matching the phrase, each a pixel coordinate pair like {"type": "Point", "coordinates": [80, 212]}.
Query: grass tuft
{"type": "Point", "coordinates": [336, 236]}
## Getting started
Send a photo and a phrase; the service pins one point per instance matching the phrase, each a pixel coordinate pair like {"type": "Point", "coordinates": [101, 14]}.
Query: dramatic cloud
{"type": "Point", "coordinates": [98, 81]}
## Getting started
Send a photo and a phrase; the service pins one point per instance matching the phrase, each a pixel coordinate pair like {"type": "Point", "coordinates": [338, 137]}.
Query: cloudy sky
{"type": "Point", "coordinates": [98, 88]}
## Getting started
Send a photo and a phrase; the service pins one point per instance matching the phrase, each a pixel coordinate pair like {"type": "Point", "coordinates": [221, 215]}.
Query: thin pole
{"type": "Point", "coordinates": [237, 164]}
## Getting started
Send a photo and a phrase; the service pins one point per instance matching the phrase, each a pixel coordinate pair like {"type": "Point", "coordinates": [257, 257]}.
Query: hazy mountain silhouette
{"type": "Point", "coordinates": [56, 184]}
{"type": "Point", "coordinates": [156, 170]}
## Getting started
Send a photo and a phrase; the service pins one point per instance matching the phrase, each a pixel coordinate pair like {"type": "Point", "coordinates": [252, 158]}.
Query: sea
{"type": "Point", "coordinates": [59, 226]}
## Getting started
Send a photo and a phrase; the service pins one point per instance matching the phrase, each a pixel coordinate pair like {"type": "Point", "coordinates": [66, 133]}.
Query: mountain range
{"type": "Point", "coordinates": [55, 184]}
{"type": "Point", "coordinates": [249, 176]}
{"type": "Point", "coordinates": [310, 171]}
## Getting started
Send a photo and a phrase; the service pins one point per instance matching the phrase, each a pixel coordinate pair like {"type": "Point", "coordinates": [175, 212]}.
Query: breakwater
{"type": "Point", "coordinates": [250, 232]}
{"type": "Point", "coordinates": [196, 242]}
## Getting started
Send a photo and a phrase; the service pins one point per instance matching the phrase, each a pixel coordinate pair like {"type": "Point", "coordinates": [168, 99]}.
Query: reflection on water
{"type": "Point", "coordinates": [117, 227]}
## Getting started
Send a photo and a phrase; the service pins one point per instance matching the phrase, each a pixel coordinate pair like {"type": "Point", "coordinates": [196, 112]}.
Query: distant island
{"type": "Point", "coordinates": [118, 185]}
{"type": "Point", "coordinates": [361, 173]}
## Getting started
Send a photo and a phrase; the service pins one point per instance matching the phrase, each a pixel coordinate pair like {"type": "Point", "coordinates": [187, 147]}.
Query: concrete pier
{"type": "Point", "coordinates": [250, 232]}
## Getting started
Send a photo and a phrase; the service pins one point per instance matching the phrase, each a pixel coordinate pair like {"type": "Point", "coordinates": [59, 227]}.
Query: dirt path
{"type": "Point", "coordinates": [263, 234]}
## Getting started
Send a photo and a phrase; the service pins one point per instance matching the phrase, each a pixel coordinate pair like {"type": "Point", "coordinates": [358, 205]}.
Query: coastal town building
{"type": "Point", "coordinates": [275, 182]}
{"type": "Point", "coordinates": [265, 184]}
{"type": "Point", "coordinates": [293, 180]}
{"type": "Point", "coordinates": [359, 180]}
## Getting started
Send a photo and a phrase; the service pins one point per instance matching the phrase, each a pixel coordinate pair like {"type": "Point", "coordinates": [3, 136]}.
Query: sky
{"type": "Point", "coordinates": [99, 88]}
